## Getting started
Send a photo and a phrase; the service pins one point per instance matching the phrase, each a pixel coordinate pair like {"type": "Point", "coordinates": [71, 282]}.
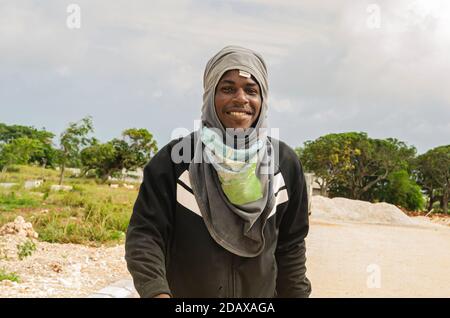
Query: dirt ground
{"type": "Point", "coordinates": [344, 260]}
{"type": "Point", "coordinates": [59, 270]}
{"type": "Point", "coordinates": [366, 260]}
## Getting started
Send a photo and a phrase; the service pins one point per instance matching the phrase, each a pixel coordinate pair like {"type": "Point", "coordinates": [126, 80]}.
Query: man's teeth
{"type": "Point", "coordinates": [239, 114]}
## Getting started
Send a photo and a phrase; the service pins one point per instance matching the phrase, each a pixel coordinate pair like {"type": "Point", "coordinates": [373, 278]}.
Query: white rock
{"type": "Point", "coordinates": [7, 185]}
{"type": "Point", "coordinates": [19, 227]}
{"type": "Point", "coordinates": [19, 220]}
{"type": "Point", "coordinates": [31, 184]}
{"type": "Point", "coordinates": [56, 187]}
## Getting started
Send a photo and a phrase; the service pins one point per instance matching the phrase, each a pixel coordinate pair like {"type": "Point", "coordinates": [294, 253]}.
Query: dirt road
{"type": "Point", "coordinates": [402, 261]}
{"type": "Point", "coordinates": [365, 260]}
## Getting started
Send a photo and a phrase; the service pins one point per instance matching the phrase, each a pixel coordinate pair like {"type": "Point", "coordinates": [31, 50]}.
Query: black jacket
{"type": "Point", "coordinates": [169, 249]}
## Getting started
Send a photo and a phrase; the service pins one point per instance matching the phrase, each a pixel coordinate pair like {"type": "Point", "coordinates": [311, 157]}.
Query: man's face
{"type": "Point", "coordinates": [237, 100]}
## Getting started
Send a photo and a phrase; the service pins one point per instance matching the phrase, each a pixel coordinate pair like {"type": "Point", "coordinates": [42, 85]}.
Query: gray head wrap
{"type": "Point", "coordinates": [237, 228]}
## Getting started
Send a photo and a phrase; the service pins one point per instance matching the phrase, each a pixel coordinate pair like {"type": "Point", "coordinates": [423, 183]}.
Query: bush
{"type": "Point", "coordinates": [13, 168]}
{"type": "Point", "coordinates": [107, 215]}
{"type": "Point", "coordinates": [402, 191]}
{"type": "Point", "coordinates": [4, 275]}
{"type": "Point", "coordinates": [414, 198]}
{"type": "Point", "coordinates": [74, 198]}
{"type": "Point", "coordinates": [78, 188]}
{"type": "Point", "coordinates": [44, 188]}
{"type": "Point", "coordinates": [438, 209]}
{"type": "Point", "coordinates": [25, 249]}
{"type": "Point", "coordinates": [93, 221]}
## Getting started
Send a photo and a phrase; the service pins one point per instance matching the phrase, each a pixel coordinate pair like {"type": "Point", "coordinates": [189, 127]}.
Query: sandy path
{"type": "Point", "coordinates": [412, 261]}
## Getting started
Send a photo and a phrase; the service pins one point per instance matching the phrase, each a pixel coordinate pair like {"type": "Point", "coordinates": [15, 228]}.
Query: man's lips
{"type": "Point", "coordinates": [239, 115]}
{"type": "Point", "coordinates": [239, 112]}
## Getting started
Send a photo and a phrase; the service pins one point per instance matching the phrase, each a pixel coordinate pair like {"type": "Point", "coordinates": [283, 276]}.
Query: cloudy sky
{"type": "Point", "coordinates": [382, 67]}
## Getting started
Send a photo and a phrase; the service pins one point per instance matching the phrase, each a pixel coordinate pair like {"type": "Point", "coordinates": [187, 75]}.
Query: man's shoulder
{"type": "Point", "coordinates": [176, 154]}
{"type": "Point", "coordinates": [183, 144]}
{"type": "Point", "coordinates": [185, 141]}
{"type": "Point", "coordinates": [286, 154]}
{"type": "Point", "coordinates": [288, 164]}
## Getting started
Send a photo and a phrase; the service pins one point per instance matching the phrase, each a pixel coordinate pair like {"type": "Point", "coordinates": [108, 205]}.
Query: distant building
{"type": "Point", "coordinates": [309, 177]}
{"type": "Point", "coordinates": [313, 183]}
{"type": "Point", "coordinates": [313, 187]}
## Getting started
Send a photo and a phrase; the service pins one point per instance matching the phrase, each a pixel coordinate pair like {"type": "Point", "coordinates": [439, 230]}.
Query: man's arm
{"type": "Point", "coordinates": [290, 254]}
{"type": "Point", "coordinates": [150, 228]}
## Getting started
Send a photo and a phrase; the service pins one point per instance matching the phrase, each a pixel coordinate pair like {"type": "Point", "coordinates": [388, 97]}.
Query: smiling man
{"type": "Point", "coordinates": [237, 99]}
{"type": "Point", "coordinates": [231, 220]}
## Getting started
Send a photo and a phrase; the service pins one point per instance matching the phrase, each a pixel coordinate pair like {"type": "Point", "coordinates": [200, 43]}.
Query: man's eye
{"type": "Point", "coordinates": [227, 89]}
{"type": "Point", "coordinates": [252, 91]}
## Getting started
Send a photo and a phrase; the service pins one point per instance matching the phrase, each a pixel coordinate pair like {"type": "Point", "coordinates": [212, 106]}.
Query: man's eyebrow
{"type": "Point", "coordinates": [225, 81]}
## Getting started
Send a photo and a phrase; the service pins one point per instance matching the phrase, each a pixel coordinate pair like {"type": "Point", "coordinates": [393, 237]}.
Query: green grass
{"type": "Point", "coordinates": [22, 173]}
{"type": "Point", "coordinates": [4, 275]}
{"type": "Point", "coordinates": [84, 221]}
{"type": "Point", "coordinates": [26, 249]}
{"type": "Point", "coordinates": [14, 200]}
{"type": "Point", "coordinates": [91, 213]}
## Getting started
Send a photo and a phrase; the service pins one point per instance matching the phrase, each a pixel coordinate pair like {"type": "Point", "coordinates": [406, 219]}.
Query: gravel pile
{"type": "Point", "coordinates": [346, 210]}
{"type": "Point", "coordinates": [56, 270]}
{"type": "Point", "coordinates": [20, 228]}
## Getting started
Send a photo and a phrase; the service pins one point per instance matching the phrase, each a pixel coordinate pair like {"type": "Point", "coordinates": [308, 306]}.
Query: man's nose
{"type": "Point", "coordinates": [240, 97]}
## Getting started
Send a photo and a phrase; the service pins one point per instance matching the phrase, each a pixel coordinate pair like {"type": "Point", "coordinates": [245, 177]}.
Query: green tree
{"type": "Point", "coordinates": [72, 140]}
{"type": "Point", "coordinates": [376, 162]}
{"type": "Point", "coordinates": [329, 157]}
{"type": "Point", "coordinates": [352, 164]}
{"type": "Point", "coordinates": [400, 189]}
{"type": "Point", "coordinates": [18, 151]}
{"type": "Point", "coordinates": [100, 158]}
{"type": "Point", "coordinates": [433, 174]}
{"type": "Point", "coordinates": [134, 150]}
{"type": "Point", "coordinates": [46, 157]}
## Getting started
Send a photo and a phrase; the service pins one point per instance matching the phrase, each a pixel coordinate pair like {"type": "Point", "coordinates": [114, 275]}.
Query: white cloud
{"type": "Point", "coordinates": [327, 70]}
{"type": "Point", "coordinates": [281, 105]}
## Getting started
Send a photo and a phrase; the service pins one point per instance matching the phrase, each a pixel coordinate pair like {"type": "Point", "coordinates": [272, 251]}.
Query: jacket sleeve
{"type": "Point", "coordinates": [150, 227]}
{"type": "Point", "coordinates": [290, 253]}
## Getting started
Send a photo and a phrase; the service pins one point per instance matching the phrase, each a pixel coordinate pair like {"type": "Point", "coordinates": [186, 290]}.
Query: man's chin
{"type": "Point", "coordinates": [239, 124]}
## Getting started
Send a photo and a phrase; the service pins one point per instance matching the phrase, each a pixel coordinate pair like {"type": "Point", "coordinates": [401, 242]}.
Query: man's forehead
{"type": "Point", "coordinates": [226, 77]}
{"type": "Point", "coordinates": [244, 74]}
